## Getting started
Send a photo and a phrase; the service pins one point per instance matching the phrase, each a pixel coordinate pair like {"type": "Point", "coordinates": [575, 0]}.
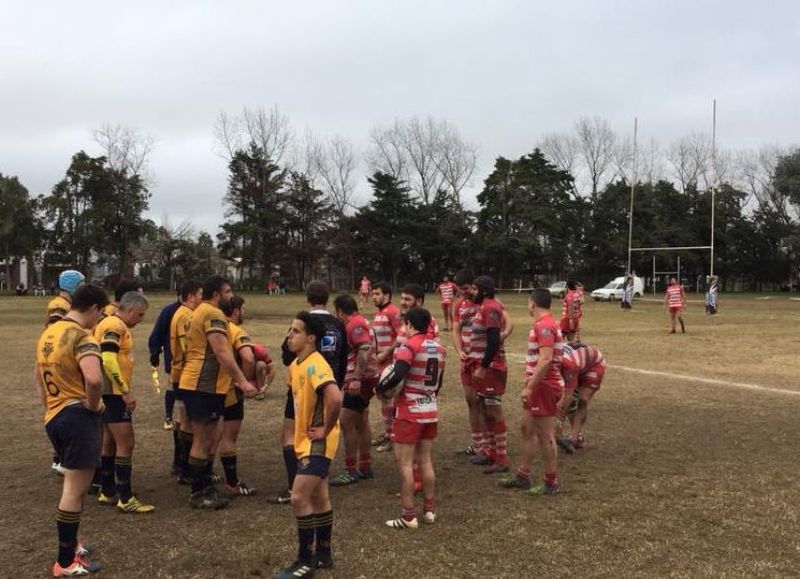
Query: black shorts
{"type": "Point", "coordinates": [76, 435]}
{"type": "Point", "coordinates": [314, 465]}
{"type": "Point", "coordinates": [355, 402]}
{"type": "Point", "coordinates": [288, 412]}
{"type": "Point", "coordinates": [202, 406]}
{"type": "Point", "coordinates": [178, 392]}
{"type": "Point", "coordinates": [234, 411]}
{"type": "Point", "coordinates": [116, 409]}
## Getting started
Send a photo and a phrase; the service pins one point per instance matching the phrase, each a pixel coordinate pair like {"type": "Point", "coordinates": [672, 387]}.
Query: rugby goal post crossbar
{"type": "Point", "coordinates": [677, 270]}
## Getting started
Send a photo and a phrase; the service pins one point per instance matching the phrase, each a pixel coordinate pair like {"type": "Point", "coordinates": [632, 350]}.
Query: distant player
{"type": "Point", "coordinates": [69, 380]}
{"type": "Point", "coordinates": [191, 297]}
{"type": "Point", "coordinates": [386, 324]}
{"type": "Point", "coordinates": [583, 368]}
{"type": "Point", "coordinates": [447, 290]}
{"type": "Point", "coordinates": [675, 302]}
{"type": "Point", "coordinates": [359, 387]}
{"type": "Point", "coordinates": [317, 400]}
{"type": "Point", "coordinates": [233, 415]}
{"type": "Point", "coordinates": [572, 312]}
{"type": "Point", "coordinates": [116, 463]}
{"type": "Point", "coordinates": [489, 375]}
{"type": "Point", "coordinates": [420, 362]}
{"type": "Point", "coordinates": [711, 295]}
{"type": "Point", "coordinates": [364, 291]}
{"type": "Point", "coordinates": [124, 286]}
{"type": "Point", "coordinates": [158, 343]}
{"type": "Point", "coordinates": [209, 372]}
{"type": "Point", "coordinates": [333, 348]}
{"type": "Point", "coordinates": [544, 388]}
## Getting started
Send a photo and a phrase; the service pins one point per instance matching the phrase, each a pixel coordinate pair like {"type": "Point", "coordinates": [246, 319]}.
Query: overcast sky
{"type": "Point", "coordinates": [503, 72]}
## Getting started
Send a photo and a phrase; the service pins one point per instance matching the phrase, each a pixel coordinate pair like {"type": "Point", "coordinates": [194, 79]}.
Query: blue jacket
{"type": "Point", "coordinates": [159, 337]}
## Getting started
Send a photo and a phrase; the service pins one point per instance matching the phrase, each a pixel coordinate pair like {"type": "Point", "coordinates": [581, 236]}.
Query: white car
{"type": "Point", "coordinates": [558, 289]}
{"type": "Point", "coordinates": [613, 289]}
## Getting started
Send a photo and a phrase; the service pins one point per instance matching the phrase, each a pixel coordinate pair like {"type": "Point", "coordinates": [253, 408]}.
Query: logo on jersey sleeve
{"type": "Point", "coordinates": [328, 343]}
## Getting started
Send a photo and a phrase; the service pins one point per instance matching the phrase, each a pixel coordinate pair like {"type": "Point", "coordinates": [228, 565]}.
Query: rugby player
{"type": "Point", "coordinates": [359, 387]}
{"type": "Point", "coordinates": [364, 290]}
{"type": "Point", "coordinates": [318, 401]}
{"type": "Point", "coordinates": [583, 368]}
{"type": "Point", "coordinates": [420, 362]}
{"type": "Point", "coordinates": [116, 345]}
{"type": "Point", "coordinates": [333, 348]}
{"type": "Point", "coordinates": [209, 372]}
{"type": "Point", "coordinates": [386, 324]}
{"type": "Point", "coordinates": [447, 289]}
{"type": "Point", "coordinates": [572, 312]}
{"type": "Point", "coordinates": [157, 343]}
{"type": "Point", "coordinates": [69, 380]}
{"type": "Point", "coordinates": [544, 388]}
{"type": "Point", "coordinates": [124, 286]}
{"type": "Point", "coordinates": [675, 302]}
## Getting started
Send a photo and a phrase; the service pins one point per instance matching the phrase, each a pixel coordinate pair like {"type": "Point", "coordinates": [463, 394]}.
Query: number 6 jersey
{"type": "Point", "coordinates": [417, 401]}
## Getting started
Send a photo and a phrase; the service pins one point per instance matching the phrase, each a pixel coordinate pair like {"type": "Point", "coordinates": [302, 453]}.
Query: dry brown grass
{"type": "Point", "coordinates": [680, 479]}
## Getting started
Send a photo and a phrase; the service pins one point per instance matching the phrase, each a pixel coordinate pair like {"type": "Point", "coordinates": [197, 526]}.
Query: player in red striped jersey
{"type": "Point", "coordinates": [386, 324]}
{"type": "Point", "coordinates": [675, 302]}
{"type": "Point", "coordinates": [447, 290]}
{"type": "Point", "coordinates": [583, 368]}
{"type": "Point", "coordinates": [544, 388]}
{"type": "Point", "coordinates": [359, 385]}
{"type": "Point", "coordinates": [420, 362]}
{"type": "Point", "coordinates": [364, 290]}
{"type": "Point", "coordinates": [489, 375]}
{"type": "Point", "coordinates": [572, 312]}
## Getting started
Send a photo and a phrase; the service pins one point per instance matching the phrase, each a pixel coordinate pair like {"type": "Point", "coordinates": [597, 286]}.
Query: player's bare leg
{"type": "Point", "coordinates": [545, 427]}
{"type": "Point", "coordinates": [404, 454]}
{"type": "Point", "coordinates": [350, 422]}
{"type": "Point", "coordinates": [424, 458]}
{"type": "Point", "coordinates": [563, 406]}
{"type": "Point", "coordinates": [522, 478]}
{"type": "Point", "coordinates": [580, 416]}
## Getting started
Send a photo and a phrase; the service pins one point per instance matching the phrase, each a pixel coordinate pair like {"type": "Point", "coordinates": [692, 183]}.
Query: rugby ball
{"type": "Point", "coordinates": [261, 354]}
{"type": "Point", "coordinates": [396, 389]}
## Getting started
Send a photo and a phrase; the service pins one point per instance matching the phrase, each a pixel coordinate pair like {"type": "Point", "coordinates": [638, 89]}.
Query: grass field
{"type": "Point", "coordinates": [682, 477]}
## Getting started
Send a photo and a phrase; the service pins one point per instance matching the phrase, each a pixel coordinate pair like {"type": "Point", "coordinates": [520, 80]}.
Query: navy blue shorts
{"type": "Point", "coordinates": [178, 392]}
{"type": "Point", "coordinates": [314, 466]}
{"type": "Point", "coordinates": [76, 435]}
{"type": "Point", "coordinates": [234, 412]}
{"type": "Point", "coordinates": [203, 406]}
{"type": "Point", "coordinates": [288, 412]}
{"type": "Point", "coordinates": [116, 409]}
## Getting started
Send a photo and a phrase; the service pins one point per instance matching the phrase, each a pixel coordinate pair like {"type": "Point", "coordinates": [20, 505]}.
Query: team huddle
{"type": "Point", "coordinates": [336, 364]}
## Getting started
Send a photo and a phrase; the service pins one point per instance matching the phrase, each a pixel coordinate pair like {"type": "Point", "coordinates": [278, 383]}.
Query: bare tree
{"type": "Point", "coordinates": [650, 162]}
{"type": "Point", "coordinates": [125, 149]}
{"type": "Point", "coordinates": [690, 158]}
{"type": "Point", "coordinates": [388, 152]}
{"type": "Point", "coordinates": [455, 159]}
{"type": "Point", "coordinates": [270, 130]}
{"type": "Point", "coordinates": [561, 149]}
{"type": "Point", "coordinates": [596, 143]}
{"type": "Point", "coordinates": [755, 172]}
{"type": "Point", "coordinates": [332, 164]}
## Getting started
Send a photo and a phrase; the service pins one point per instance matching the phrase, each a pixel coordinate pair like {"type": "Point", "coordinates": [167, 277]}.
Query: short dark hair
{"type": "Point", "coordinates": [317, 293]}
{"type": "Point", "coordinates": [235, 303]}
{"type": "Point", "coordinates": [419, 318]}
{"type": "Point", "coordinates": [571, 284]}
{"type": "Point", "coordinates": [87, 296]}
{"type": "Point", "coordinates": [125, 286]}
{"type": "Point", "coordinates": [346, 303]}
{"type": "Point", "coordinates": [416, 290]}
{"type": "Point", "coordinates": [541, 297]}
{"type": "Point", "coordinates": [315, 326]}
{"type": "Point", "coordinates": [384, 287]}
{"type": "Point", "coordinates": [189, 288]}
{"type": "Point", "coordinates": [485, 285]}
{"type": "Point", "coordinates": [463, 277]}
{"type": "Point", "coordinates": [214, 285]}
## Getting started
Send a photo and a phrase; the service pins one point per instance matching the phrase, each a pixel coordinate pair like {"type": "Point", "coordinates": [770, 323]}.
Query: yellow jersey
{"type": "Point", "coordinates": [177, 341]}
{"type": "Point", "coordinates": [114, 335]}
{"type": "Point", "coordinates": [239, 338]}
{"type": "Point", "coordinates": [201, 370]}
{"type": "Point", "coordinates": [59, 351]}
{"type": "Point", "coordinates": [57, 309]}
{"type": "Point", "coordinates": [110, 309]}
{"type": "Point", "coordinates": [306, 379]}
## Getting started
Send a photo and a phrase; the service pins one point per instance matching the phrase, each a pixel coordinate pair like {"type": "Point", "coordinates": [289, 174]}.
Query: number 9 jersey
{"type": "Point", "coordinates": [58, 353]}
{"type": "Point", "coordinates": [417, 401]}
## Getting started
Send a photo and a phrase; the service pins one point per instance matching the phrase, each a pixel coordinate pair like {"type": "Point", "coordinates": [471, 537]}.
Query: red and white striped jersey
{"type": "Point", "coordinates": [358, 333]}
{"type": "Point", "coordinates": [581, 360]}
{"type": "Point", "coordinates": [463, 314]}
{"type": "Point", "coordinates": [674, 296]}
{"type": "Point", "coordinates": [546, 332]}
{"type": "Point", "coordinates": [366, 286]}
{"type": "Point", "coordinates": [488, 315]}
{"type": "Point", "coordinates": [386, 323]}
{"type": "Point", "coordinates": [447, 290]}
{"type": "Point", "coordinates": [417, 400]}
{"type": "Point", "coordinates": [573, 306]}
{"type": "Point", "coordinates": [432, 333]}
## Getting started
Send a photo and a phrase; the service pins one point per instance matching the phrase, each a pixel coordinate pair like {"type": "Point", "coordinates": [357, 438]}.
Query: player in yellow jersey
{"type": "Point", "coordinates": [124, 286]}
{"type": "Point", "coordinates": [69, 380]}
{"type": "Point", "coordinates": [254, 370]}
{"type": "Point", "coordinates": [317, 402]}
{"type": "Point", "coordinates": [191, 296]}
{"type": "Point", "coordinates": [116, 344]}
{"type": "Point", "coordinates": [209, 372]}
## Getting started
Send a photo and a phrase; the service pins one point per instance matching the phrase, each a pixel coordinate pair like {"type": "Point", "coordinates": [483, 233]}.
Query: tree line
{"type": "Point", "coordinates": [291, 208]}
